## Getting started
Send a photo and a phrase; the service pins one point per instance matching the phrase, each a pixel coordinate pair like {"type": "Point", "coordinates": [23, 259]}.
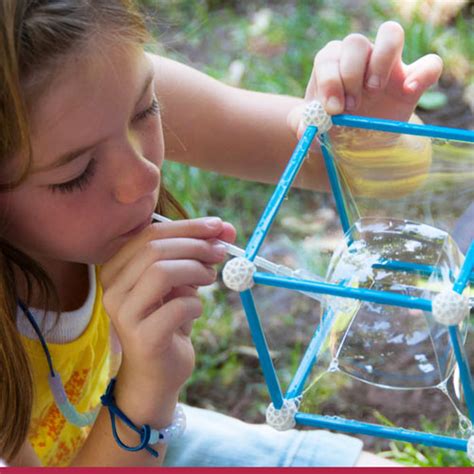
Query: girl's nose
{"type": "Point", "coordinates": [136, 177]}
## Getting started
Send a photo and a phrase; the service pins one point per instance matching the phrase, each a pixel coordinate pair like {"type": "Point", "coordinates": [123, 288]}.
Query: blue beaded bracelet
{"type": "Point", "coordinates": [147, 434]}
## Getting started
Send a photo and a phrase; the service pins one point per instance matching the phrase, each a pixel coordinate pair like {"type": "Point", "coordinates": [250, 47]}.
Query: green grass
{"type": "Point", "coordinates": [423, 456]}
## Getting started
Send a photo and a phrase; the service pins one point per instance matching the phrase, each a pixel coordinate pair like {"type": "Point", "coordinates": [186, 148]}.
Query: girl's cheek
{"type": "Point", "coordinates": [150, 147]}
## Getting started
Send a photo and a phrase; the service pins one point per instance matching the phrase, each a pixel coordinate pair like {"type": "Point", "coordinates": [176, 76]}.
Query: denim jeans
{"type": "Point", "coordinates": [213, 439]}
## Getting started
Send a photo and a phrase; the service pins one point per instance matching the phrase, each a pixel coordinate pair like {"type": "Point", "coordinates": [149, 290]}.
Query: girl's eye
{"type": "Point", "coordinates": [152, 110]}
{"type": "Point", "coordinates": [79, 183]}
{"type": "Point", "coordinates": [82, 181]}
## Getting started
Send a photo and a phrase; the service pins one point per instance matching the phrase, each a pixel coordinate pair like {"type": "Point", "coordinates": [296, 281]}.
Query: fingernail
{"type": "Point", "coordinates": [212, 270]}
{"type": "Point", "coordinates": [213, 223]}
{"type": "Point", "coordinates": [350, 102]}
{"type": "Point", "coordinates": [412, 86]}
{"type": "Point", "coordinates": [219, 249]}
{"type": "Point", "coordinates": [374, 82]}
{"type": "Point", "coordinates": [333, 105]}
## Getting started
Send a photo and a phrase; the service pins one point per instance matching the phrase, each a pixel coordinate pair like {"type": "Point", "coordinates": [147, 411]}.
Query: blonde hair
{"type": "Point", "coordinates": [35, 35]}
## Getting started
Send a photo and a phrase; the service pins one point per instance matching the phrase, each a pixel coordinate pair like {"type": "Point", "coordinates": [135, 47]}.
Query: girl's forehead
{"type": "Point", "coordinates": [88, 95]}
{"type": "Point", "coordinates": [92, 76]}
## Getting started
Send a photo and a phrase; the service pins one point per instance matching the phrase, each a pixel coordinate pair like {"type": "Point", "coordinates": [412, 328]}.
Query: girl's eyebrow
{"type": "Point", "coordinates": [72, 155]}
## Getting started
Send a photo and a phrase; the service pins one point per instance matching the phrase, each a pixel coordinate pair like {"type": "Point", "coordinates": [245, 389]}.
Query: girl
{"type": "Point", "coordinates": [85, 117]}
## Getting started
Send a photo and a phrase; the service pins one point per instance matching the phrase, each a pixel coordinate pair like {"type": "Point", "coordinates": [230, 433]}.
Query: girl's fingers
{"type": "Point", "coordinates": [387, 52]}
{"type": "Point", "coordinates": [210, 252]}
{"type": "Point", "coordinates": [228, 233]}
{"type": "Point", "coordinates": [187, 326]}
{"type": "Point", "coordinates": [180, 291]}
{"type": "Point", "coordinates": [330, 89]}
{"type": "Point", "coordinates": [175, 316]}
{"type": "Point", "coordinates": [422, 74]}
{"type": "Point", "coordinates": [294, 121]}
{"type": "Point", "coordinates": [355, 55]}
{"type": "Point", "coordinates": [157, 281]}
{"type": "Point", "coordinates": [202, 228]}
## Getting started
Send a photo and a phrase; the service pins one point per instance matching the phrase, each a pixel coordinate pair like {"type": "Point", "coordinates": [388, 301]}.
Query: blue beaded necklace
{"type": "Point", "coordinates": [55, 383]}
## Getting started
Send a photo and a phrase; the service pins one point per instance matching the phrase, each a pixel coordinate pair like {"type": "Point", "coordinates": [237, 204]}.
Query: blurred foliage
{"type": "Point", "coordinates": [278, 57]}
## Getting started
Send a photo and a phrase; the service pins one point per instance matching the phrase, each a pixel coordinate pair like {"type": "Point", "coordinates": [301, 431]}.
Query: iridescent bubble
{"type": "Point", "coordinates": [386, 345]}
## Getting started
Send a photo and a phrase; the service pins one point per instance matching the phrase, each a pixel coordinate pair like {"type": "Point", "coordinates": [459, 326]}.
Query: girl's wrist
{"type": "Point", "coordinates": [146, 402]}
{"type": "Point", "coordinates": [149, 436]}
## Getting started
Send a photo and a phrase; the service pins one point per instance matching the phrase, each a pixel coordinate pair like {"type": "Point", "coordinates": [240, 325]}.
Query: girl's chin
{"type": "Point", "coordinates": [102, 257]}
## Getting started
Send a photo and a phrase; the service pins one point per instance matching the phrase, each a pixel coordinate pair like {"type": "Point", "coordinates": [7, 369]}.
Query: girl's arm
{"type": "Point", "coordinates": [251, 135]}
{"type": "Point", "coordinates": [221, 128]}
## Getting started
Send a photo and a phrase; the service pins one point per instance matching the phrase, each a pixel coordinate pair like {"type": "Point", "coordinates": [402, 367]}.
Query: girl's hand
{"type": "Point", "coordinates": [370, 79]}
{"type": "Point", "coordinates": [150, 296]}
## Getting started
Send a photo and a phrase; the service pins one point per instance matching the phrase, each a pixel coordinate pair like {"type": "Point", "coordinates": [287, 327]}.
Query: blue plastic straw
{"type": "Point", "coordinates": [413, 267]}
{"type": "Point", "coordinates": [401, 434]}
{"type": "Point", "coordinates": [260, 342]}
{"type": "Point", "coordinates": [466, 270]}
{"type": "Point", "coordinates": [455, 336]}
{"type": "Point", "coordinates": [283, 186]}
{"type": "Point", "coordinates": [463, 364]}
{"type": "Point", "coordinates": [393, 126]}
{"type": "Point", "coordinates": [310, 357]}
{"type": "Point", "coordinates": [375, 296]}
{"type": "Point", "coordinates": [335, 184]}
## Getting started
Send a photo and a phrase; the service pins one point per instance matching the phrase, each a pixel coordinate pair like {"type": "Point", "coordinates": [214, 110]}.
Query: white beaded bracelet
{"type": "Point", "coordinates": [171, 432]}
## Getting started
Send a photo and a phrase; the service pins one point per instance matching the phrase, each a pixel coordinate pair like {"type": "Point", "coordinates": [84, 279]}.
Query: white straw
{"type": "Point", "coordinates": [263, 263]}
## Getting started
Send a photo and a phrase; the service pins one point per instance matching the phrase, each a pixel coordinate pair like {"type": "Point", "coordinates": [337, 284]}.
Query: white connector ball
{"type": "Point", "coordinates": [284, 418]}
{"type": "Point", "coordinates": [449, 307]}
{"type": "Point", "coordinates": [314, 114]}
{"type": "Point", "coordinates": [238, 274]}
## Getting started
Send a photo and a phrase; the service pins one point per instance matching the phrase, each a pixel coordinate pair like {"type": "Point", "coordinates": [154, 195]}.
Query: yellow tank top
{"type": "Point", "coordinates": [84, 368]}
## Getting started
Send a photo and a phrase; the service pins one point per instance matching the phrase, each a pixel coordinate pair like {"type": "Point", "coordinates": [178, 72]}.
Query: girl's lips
{"type": "Point", "coordinates": [138, 228]}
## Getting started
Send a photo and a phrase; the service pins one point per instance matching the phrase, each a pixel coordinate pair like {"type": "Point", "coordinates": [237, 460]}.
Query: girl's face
{"type": "Point", "coordinates": [97, 151]}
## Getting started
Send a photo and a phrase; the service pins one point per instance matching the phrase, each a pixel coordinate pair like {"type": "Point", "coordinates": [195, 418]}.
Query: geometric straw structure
{"type": "Point", "coordinates": [451, 303]}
